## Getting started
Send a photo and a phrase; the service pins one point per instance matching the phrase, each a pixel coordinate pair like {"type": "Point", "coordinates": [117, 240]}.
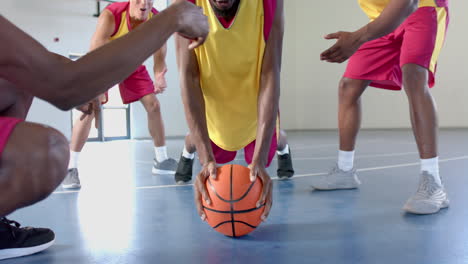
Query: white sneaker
{"type": "Point", "coordinates": [337, 179]}
{"type": "Point", "coordinates": [430, 197]}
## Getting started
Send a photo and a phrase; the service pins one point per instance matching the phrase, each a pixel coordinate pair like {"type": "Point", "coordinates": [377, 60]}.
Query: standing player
{"type": "Point", "coordinates": [114, 22]}
{"type": "Point", "coordinates": [398, 48]}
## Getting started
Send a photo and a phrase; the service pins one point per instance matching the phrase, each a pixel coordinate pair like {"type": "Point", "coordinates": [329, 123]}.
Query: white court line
{"type": "Point", "coordinates": [295, 176]}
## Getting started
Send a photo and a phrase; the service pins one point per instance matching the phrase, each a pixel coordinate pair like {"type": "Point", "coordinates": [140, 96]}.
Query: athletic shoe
{"type": "Point", "coordinates": [71, 181]}
{"type": "Point", "coordinates": [337, 179]}
{"type": "Point", "coordinates": [168, 166]}
{"type": "Point", "coordinates": [183, 174]}
{"type": "Point", "coordinates": [16, 241]}
{"type": "Point", "coordinates": [285, 168]}
{"type": "Point", "coordinates": [429, 198]}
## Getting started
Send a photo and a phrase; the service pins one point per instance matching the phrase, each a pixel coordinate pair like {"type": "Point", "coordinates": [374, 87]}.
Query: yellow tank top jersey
{"type": "Point", "coordinates": [230, 64]}
{"type": "Point", "coordinates": [373, 8]}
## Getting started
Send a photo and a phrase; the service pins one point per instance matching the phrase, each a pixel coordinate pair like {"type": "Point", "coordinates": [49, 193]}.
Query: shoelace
{"type": "Point", "coordinates": [10, 224]}
{"type": "Point", "coordinates": [427, 186]}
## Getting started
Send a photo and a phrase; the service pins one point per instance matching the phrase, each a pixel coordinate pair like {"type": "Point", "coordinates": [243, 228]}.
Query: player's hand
{"type": "Point", "coordinates": [92, 107]}
{"type": "Point", "coordinates": [160, 84]}
{"type": "Point", "coordinates": [209, 169]}
{"type": "Point", "coordinates": [193, 24]}
{"type": "Point", "coordinates": [346, 45]}
{"type": "Point", "coordinates": [266, 199]}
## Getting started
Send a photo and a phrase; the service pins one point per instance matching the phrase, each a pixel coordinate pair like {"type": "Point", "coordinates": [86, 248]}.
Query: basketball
{"type": "Point", "coordinates": [233, 210]}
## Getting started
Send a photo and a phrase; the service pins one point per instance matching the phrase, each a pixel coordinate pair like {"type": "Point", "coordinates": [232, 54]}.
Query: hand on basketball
{"type": "Point", "coordinates": [160, 82]}
{"type": "Point", "coordinates": [266, 198]}
{"type": "Point", "coordinates": [346, 45]}
{"type": "Point", "coordinates": [209, 170]}
{"type": "Point", "coordinates": [193, 24]}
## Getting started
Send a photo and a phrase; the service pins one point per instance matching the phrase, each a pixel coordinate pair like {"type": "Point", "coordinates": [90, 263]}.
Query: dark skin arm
{"type": "Point", "coordinates": [65, 83]}
{"type": "Point", "coordinates": [194, 106]}
{"type": "Point", "coordinates": [268, 104]}
{"type": "Point", "coordinates": [348, 42]}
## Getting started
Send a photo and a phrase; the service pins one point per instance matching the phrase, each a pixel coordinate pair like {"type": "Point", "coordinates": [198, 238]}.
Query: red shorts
{"type": "Point", "coordinates": [418, 40]}
{"type": "Point", "coordinates": [224, 156]}
{"type": "Point", "coordinates": [137, 85]}
{"type": "Point", "coordinates": [7, 124]}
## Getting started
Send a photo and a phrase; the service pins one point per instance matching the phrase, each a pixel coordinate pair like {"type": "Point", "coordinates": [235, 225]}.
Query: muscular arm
{"type": "Point", "coordinates": [194, 103]}
{"type": "Point", "coordinates": [160, 60]}
{"type": "Point", "coordinates": [67, 84]}
{"type": "Point", "coordinates": [393, 15]}
{"type": "Point", "coordinates": [348, 42]}
{"type": "Point", "coordinates": [268, 98]}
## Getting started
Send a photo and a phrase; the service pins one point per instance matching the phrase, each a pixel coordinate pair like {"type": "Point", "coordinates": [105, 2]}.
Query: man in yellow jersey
{"type": "Point", "coordinates": [116, 21]}
{"type": "Point", "coordinates": [230, 88]}
{"type": "Point", "coordinates": [33, 157]}
{"type": "Point", "coordinates": [398, 48]}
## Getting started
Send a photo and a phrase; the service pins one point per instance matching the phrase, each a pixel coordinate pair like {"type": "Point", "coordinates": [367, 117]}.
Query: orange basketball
{"type": "Point", "coordinates": [233, 210]}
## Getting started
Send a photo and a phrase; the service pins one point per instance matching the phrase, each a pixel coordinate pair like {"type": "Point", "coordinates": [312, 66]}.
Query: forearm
{"type": "Point", "coordinates": [194, 106]}
{"type": "Point", "coordinates": [160, 60]}
{"type": "Point", "coordinates": [268, 101]}
{"type": "Point", "coordinates": [393, 15]}
{"type": "Point", "coordinates": [73, 83]}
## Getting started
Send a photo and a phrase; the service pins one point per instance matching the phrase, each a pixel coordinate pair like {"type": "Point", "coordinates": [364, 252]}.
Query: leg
{"type": "Point", "coordinates": [431, 195]}
{"type": "Point", "coordinates": [80, 133]}
{"type": "Point", "coordinates": [155, 122]}
{"type": "Point", "coordinates": [282, 140]}
{"type": "Point", "coordinates": [46, 150]}
{"type": "Point", "coordinates": [349, 111]}
{"type": "Point", "coordinates": [422, 109]}
{"type": "Point", "coordinates": [343, 176]}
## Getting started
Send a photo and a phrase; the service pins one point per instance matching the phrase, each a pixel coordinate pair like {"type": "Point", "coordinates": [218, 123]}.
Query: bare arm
{"type": "Point", "coordinates": [67, 84]}
{"type": "Point", "coordinates": [348, 42]}
{"type": "Point", "coordinates": [269, 93]}
{"type": "Point", "coordinates": [192, 96]}
{"type": "Point", "coordinates": [268, 104]}
{"type": "Point", "coordinates": [160, 69]}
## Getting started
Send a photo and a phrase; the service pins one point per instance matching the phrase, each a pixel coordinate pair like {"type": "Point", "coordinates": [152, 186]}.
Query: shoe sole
{"type": "Point", "coordinates": [20, 252]}
{"type": "Point", "coordinates": [284, 178]}
{"type": "Point", "coordinates": [158, 171]}
{"type": "Point", "coordinates": [71, 186]}
{"type": "Point", "coordinates": [426, 209]}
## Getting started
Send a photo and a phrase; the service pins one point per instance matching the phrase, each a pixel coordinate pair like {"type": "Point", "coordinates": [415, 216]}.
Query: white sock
{"type": "Point", "coordinates": [187, 154]}
{"type": "Point", "coordinates": [74, 156]}
{"type": "Point", "coordinates": [345, 160]}
{"type": "Point", "coordinates": [284, 151]}
{"type": "Point", "coordinates": [432, 167]}
{"type": "Point", "coordinates": [161, 153]}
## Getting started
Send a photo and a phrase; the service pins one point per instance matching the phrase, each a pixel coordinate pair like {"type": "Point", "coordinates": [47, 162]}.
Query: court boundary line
{"type": "Point", "coordinates": [295, 176]}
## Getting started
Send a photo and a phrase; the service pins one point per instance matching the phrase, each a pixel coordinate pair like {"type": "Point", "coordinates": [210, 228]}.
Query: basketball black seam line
{"type": "Point", "coordinates": [234, 211]}
{"type": "Point", "coordinates": [231, 201]}
{"type": "Point", "coordinates": [236, 221]}
{"type": "Point", "coordinates": [232, 206]}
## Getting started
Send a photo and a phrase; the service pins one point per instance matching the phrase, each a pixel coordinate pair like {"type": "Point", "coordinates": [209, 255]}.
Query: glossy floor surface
{"type": "Point", "coordinates": [124, 214]}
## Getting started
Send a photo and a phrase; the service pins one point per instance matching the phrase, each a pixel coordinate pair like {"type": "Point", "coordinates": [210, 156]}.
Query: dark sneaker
{"type": "Point", "coordinates": [16, 241]}
{"type": "Point", "coordinates": [168, 166]}
{"type": "Point", "coordinates": [183, 174]}
{"type": "Point", "coordinates": [71, 181]}
{"type": "Point", "coordinates": [285, 167]}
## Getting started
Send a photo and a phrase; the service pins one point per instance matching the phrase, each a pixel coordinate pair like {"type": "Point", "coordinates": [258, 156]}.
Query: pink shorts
{"type": "Point", "coordinates": [224, 156]}
{"type": "Point", "coordinates": [418, 40]}
{"type": "Point", "coordinates": [137, 85]}
{"type": "Point", "coordinates": [7, 124]}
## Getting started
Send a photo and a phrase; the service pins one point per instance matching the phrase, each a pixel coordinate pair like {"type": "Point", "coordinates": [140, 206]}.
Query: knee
{"type": "Point", "coordinates": [348, 92]}
{"type": "Point", "coordinates": [53, 157]}
{"type": "Point", "coordinates": [154, 106]}
{"type": "Point", "coordinates": [415, 79]}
